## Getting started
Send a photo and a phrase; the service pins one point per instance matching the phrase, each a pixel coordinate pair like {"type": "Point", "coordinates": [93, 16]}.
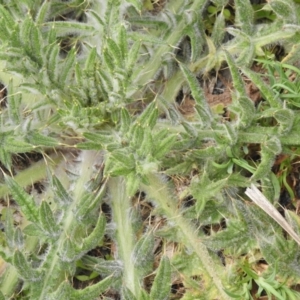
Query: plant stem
{"type": "Point", "coordinates": [161, 194]}
{"type": "Point", "coordinates": [121, 207]}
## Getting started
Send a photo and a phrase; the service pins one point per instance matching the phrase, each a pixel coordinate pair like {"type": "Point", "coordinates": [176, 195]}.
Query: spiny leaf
{"type": "Point", "coordinates": [149, 116]}
{"type": "Point", "coordinates": [127, 294]}
{"type": "Point", "coordinates": [37, 139]}
{"type": "Point", "coordinates": [269, 150]}
{"type": "Point", "coordinates": [43, 13]}
{"type": "Point", "coordinates": [143, 253]}
{"type": "Point", "coordinates": [132, 183]}
{"type": "Point", "coordinates": [14, 103]}
{"type": "Point", "coordinates": [218, 32]}
{"type": "Point", "coordinates": [263, 87]}
{"type": "Point", "coordinates": [33, 230]}
{"type": "Point", "coordinates": [285, 9]}
{"type": "Point", "coordinates": [25, 201]}
{"type": "Point", "coordinates": [96, 236]}
{"type": "Point", "coordinates": [93, 291]}
{"type": "Point", "coordinates": [136, 134]}
{"type": "Point", "coordinates": [9, 229]}
{"type": "Point", "coordinates": [18, 239]}
{"type": "Point", "coordinates": [31, 38]}
{"type": "Point", "coordinates": [236, 77]}
{"type": "Point", "coordinates": [68, 67]}
{"type": "Point", "coordinates": [90, 62]}
{"type": "Point", "coordinates": [205, 113]}
{"type": "Point", "coordinates": [68, 251]}
{"type": "Point", "coordinates": [123, 157]}
{"type": "Point", "coordinates": [5, 158]}
{"type": "Point", "coordinates": [285, 118]}
{"type": "Point", "coordinates": [114, 50]}
{"type": "Point", "coordinates": [24, 269]}
{"type": "Point", "coordinates": [90, 203]}
{"type": "Point", "coordinates": [64, 291]}
{"type": "Point", "coordinates": [47, 220]}
{"type": "Point", "coordinates": [123, 42]}
{"type": "Point", "coordinates": [64, 28]}
{"type": "Point", "coordinates": [61, 195]}
{"type": "Point", "coordinates": [133, 55]}
{"type": "Point", "coordinates": [160, 289]}
{"type": "Point", "coordinates": [125, 120]}
{"type": "Point", "coordinates": [164, 146]}
{"type": "Point", "coordinates": [244, 15]}
{"type": "Point", "coordinates": [7, 22]}
{"type": "Point", "coordinates": [52, 62]}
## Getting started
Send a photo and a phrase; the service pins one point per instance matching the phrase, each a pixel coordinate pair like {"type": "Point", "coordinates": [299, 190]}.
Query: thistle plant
{"type": "Point", "coordinates": [92, 87]}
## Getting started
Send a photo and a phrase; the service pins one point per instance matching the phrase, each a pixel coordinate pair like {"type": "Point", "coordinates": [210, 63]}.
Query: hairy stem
{"type": "Point", "coordinates": [161, 194]}
{"type": "Point", "coordinates": [125, 236]}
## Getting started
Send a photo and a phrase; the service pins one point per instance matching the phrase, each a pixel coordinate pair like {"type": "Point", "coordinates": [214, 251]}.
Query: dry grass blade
{"type": "Point", "coordinates": [259, 199]}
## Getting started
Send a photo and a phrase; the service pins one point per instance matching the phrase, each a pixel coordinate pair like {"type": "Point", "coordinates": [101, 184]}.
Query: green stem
{"type": "Point", "coordinates": [55, 274]}
{"type": "Point", "coordinates": [160, 192]}
{"type": "Point", "coordinates": [152, 66]}
{"type": "Point", "coordinates": [125, 235]}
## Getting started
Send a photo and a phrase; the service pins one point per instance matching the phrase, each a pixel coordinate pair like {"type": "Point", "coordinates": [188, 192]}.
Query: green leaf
{"type": "Point", "coordinates": [269, 150]}
{"type": "Point", "coordinates": [24, 269]}
{"type": "Point", "coordinates": [204, 189]}
{"type": "Point", "coordinates": [89, 146]}
{"type": "Point", "coordinates": [149, 116]}
{"type": "Point", "coordinates": [133, 55]}
{"type": "Point", "coordinates": [161, 286]}
{"type": "Point", "coordinates": [7, 22]}
{"type": "Point", "coordinates": [32, 41]}
{"type": "Point", "coordinates": [5, 158]}
{"type": "Point", "coordinates": [47, 220]}
{"type": "Point", "coordinates": [64, 291]}
{"type": "Point", "coordinates": [284, 9]}
{"type": "Point", "coordinates": [90, 62]}
{"type": "Point", "coordinates": [244, 15]}
{"type": "Point", "coordinates": [61, 195]}
{"type": "Point", "coordinates": [164, 146]}
{"type": "Point", "coordinates": [14, 103]}
{"type": "Point", "coordinates": [142, 256]}
{"type": "Point", "coordinates": [90, 202]}
{"type": "Point", "coordinates": [285, 118]}
{"type": "Point", "coordinates": [43, 13]}
{"type": "Point", "coordinates": [218, 32]}
{"type": "Point", "coordinates": [115, 52]}
{"type": "Point", "coordinates": [33, 230]}
{"type": "Point", "coordinates": [25, 201]}
{"type": "Point", "coordinates": [136, 134]}
{"type": "Point", "coordinates": [93, 291]}
{"type": "Point", "coordinates": [132, 183]}
{"type": "Point", "coordinates": [52, 62]}
{"type": "Point", "coordinates": [122, 156]}
{"type": "Point", "coordinates": [201, 107]}
{"type": "Point", "coordinates": [68, 251]}
{"type": "Point", "coordinates": [127, 294]}
{"type": "Point", "coordinates": [123, 42]}
{"type": "Point", "coordinates": [68, 67]}
{"type": "Point", "coordinates": [236, 77]}
{"type": "Point", "coordinates": [37, 139]}
{"type": "Point", "coordinates": [100, 138]}
{"type": "Point", "coordinates": [18, 239]}
{"type": "Point", "coordinates": [64, 28]}
{"type": "Point", "coordinates": [125, 120]}
{"type": "Point", "coordinates": [16, 146]}
{"type": "Point", "coordinates": [96, 236]}
{"type": "Point", "coordinates": [9, 229]}
{"type": "Point", "coordinates": [264, 88]}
